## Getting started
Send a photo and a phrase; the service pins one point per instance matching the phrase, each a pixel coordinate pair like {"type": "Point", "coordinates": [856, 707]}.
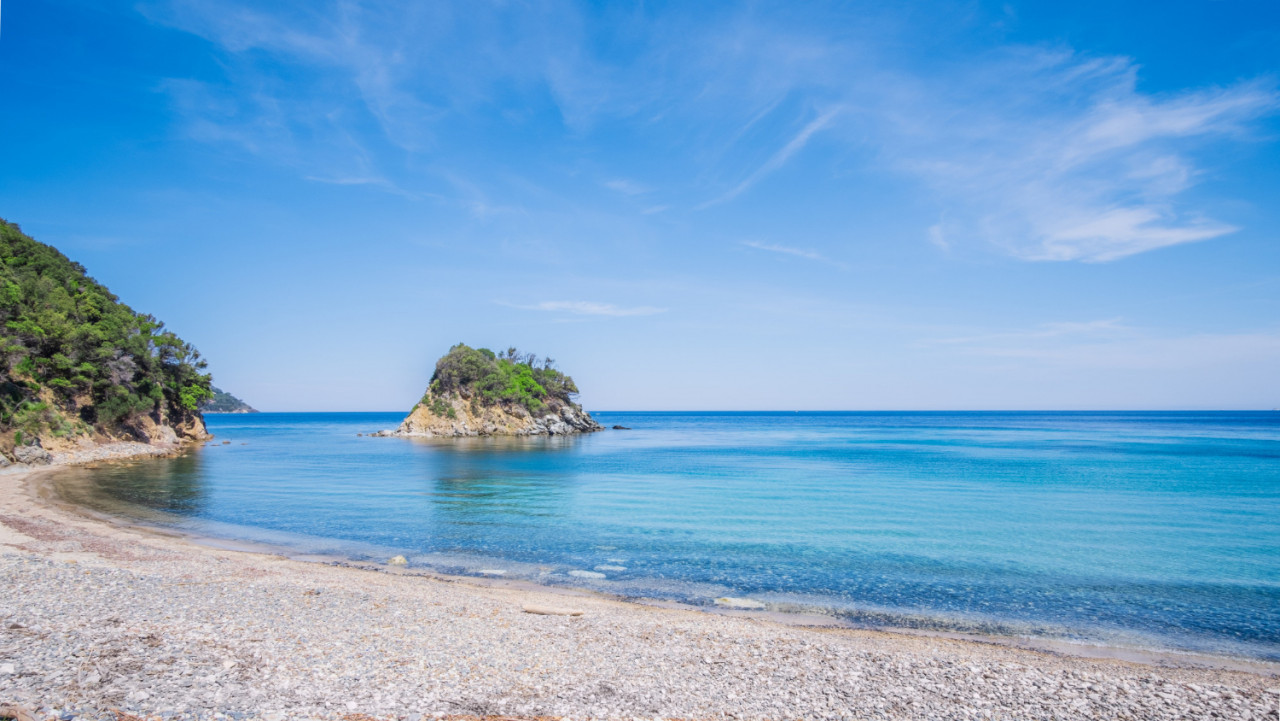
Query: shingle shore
{"type": "Point", "coordinates": [97, 622]}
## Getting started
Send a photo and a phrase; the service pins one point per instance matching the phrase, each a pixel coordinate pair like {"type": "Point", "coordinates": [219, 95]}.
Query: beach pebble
{"type": "Point", "coordinates": [398, 561]}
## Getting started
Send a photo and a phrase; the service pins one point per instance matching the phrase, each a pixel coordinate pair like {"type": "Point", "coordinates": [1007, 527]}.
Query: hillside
{"type": "Point", "coordinates": [78, 365]}
{"type": "Point", "coordinates": [476, 392]}
{"type": "Point", "coordinates": [224, 402]}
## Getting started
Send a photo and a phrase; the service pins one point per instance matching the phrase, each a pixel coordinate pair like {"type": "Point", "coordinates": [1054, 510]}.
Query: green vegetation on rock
{"type": "Point", "coordinates": [74, 360]}
{"type": "Point", "coordinates": [224, 402]}
{"type": "Point", "coordinates": [487, 378]}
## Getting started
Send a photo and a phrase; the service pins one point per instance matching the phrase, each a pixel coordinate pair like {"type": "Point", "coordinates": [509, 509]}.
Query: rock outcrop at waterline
{"type": "Point", "coordinates": [494, 421]}
{"type": "Point", "coordinates": [476, 392]}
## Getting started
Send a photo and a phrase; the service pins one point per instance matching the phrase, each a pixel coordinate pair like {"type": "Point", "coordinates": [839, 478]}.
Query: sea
{"type": "Point", "coordinates": [1136, 530]}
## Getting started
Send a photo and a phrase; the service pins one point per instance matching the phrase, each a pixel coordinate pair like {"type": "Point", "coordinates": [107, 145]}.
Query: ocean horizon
{"type": "Point", "coordinates": [1151, 530]}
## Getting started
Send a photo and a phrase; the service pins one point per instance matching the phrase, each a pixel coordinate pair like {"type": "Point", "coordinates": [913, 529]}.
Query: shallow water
{"type": "Point", "coordinates": [1153, 530]}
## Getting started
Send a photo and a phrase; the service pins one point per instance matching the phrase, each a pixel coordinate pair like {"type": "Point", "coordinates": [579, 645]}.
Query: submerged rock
{"type": "Point", "coordinates": [398, 561]}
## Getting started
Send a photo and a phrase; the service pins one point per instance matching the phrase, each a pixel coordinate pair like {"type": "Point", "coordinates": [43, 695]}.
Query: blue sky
{"type": "Point", "coordinates": [924, 205]}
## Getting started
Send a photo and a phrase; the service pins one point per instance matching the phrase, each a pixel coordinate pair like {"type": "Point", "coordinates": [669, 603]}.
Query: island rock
{"type": "Point", "coordinates": [476, 392]}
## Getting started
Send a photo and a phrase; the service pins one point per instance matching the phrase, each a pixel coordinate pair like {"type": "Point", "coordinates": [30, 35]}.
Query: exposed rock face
{"type": "Point", "coordinates": [32, 455]}
{"type": "Point", "coordinates": [556, 419]}
{"type": "Point", "coordinates": [169, 431]}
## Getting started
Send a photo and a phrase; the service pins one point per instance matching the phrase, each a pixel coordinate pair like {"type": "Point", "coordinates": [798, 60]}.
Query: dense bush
{"type": "Point", "coordinates": [487, 378]}
{"type": "Point", "coordinates": [74, 358]}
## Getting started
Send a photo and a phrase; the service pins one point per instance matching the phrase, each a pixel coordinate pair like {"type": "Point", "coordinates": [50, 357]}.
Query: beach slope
{"type": "Point", "coordinates": [96, 616]}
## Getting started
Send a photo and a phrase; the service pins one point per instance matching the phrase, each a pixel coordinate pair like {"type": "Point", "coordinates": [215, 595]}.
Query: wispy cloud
{"type": "Point", "coordinates": [1056, 157]}
{"type": "Point", "coordinates": [1112, 344]}
{"type": "Point", "coordinates": [627, 187]}
{"type": "Point", "coordinates": [1150, 352]}
{"type": "Point", "coordinates": [371, 181]}
{"type": "Point", "coordinates": [795, 252]}
{"type": "Point", "coordinates": [581, 307]}
{"type": "Point", "coordinates": [1046, 154]}
{"type": "Point", "coordinates": [1107, 326]}
{"type": "Point", "coordinates": [315, 86]}
{"type": "Point", "coordinates": [777, 160]}
{"type": "Point", "coordinates": [1042, 153]}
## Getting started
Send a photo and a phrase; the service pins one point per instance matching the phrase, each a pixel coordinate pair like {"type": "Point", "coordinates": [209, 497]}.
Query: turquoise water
{"type": "Point", "coordinates": [1157, 530]}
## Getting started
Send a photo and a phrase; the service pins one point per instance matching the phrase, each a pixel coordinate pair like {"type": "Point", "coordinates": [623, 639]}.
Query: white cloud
{"type": "Point", "coordinates": [581, 307]}
{"type": "Point", "coordinates": [1054, 157]}
{"type": "Point", "coordinates": [789, 250]}
{"type": "Point", "coordinates": [1111, 234]}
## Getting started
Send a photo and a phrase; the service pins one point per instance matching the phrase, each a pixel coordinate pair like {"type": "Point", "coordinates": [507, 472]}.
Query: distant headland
{"type": "Point", "coordinates": [476, 392]}
{"type": "Point", "coordinates": [224, 402]}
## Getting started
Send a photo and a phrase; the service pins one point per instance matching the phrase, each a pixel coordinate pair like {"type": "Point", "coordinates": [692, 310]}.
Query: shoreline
{"type": "Point", "coordinates": [117, 544]}
{"type": "Point", "coordinates": [40, 487]}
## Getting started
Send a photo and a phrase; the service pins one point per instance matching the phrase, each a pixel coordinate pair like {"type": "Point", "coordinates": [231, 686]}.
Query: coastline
{"type": "Point", "coordinates": [750, 664]}
{"type": "Point", "coordinates": [41, 488]}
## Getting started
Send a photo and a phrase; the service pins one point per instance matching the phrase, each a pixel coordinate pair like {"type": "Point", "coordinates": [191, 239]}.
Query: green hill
{"type": "Point", "coordinates": [76, 362]}
{"type": "Point", "coordinates": [224, 402]}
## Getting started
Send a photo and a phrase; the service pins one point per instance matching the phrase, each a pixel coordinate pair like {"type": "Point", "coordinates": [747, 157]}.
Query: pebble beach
{"type": "Point", "coordinates": [104, 621]}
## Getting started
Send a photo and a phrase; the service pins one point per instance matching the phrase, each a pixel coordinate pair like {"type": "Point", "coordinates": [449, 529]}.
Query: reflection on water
{"type": "Point", "coordinates": [492, 445]}
{"type": "Point", "coordinates": [161, 485]}
{"type": "Point", "coordinates": [485, 481]}
{"type": "Point", "coordinates": [1142, 528]}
